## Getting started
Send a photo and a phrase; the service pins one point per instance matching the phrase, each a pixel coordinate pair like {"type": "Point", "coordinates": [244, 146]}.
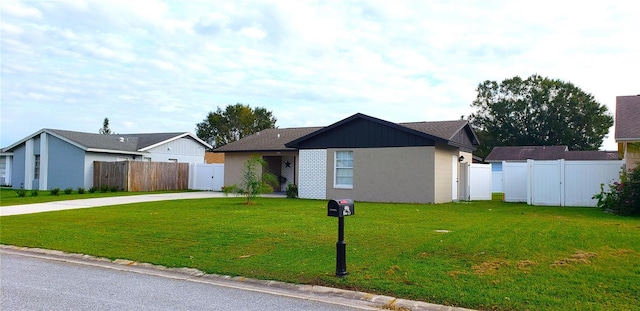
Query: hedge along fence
{"type": "Point", "coordinates": [141, 176]}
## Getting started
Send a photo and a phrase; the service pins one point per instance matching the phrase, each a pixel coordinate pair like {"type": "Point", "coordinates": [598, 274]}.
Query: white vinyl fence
{"type": "Point", "coordinates": [514, 181]}
{"type": "Point", "coordinates": [206, 176]}
{"type": "Point", "coordinates": [475, 182]}
{"type": "Point", "coordinates": [559, 182]}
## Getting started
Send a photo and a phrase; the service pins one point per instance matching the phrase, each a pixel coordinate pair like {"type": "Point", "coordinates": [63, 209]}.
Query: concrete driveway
{"type": "Point", "coordinates": [87, 203]}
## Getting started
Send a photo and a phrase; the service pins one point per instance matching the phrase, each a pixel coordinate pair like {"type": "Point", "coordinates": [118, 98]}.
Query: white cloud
{"type": "Point", "coordinates": [161, 66]}
{"type": "Point", "coordinates": [16, 9]}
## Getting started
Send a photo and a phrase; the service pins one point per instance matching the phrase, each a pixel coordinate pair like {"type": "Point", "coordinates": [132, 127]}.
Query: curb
{"type": "Point", "coordinates": [310, 292]}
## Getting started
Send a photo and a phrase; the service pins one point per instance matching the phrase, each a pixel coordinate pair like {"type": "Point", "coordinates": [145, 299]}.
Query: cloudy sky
{"type": "Point", "coordinates": [161, 66]}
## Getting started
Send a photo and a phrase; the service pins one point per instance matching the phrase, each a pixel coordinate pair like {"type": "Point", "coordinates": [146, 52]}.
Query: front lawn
{"type": "Point", "coordinates": [481, 255]}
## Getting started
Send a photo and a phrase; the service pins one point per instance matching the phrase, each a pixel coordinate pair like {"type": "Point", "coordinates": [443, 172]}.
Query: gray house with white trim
{"type": "Point", "coordinates": [363, 158]}
{"type": "Point", "coordinates": [51, 158]}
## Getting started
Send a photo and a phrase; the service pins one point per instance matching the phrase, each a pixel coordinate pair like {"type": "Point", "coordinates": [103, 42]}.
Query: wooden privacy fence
{"type": "Point", "coordinates": [141, 176]}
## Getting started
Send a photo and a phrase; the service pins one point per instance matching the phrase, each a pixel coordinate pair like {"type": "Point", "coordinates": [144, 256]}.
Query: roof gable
{"type": "Point", "coordinates": [627, 126]}
{"type": "Point", "coordinates": [362, 131]}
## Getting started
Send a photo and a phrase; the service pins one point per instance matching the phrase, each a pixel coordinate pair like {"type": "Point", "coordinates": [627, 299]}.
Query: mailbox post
{"type": "Point", "coordinates": [341, 208]}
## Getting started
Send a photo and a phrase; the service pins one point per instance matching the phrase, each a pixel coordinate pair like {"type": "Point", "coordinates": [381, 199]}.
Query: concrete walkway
{"type": "Point", "coordinates": [87, 203]}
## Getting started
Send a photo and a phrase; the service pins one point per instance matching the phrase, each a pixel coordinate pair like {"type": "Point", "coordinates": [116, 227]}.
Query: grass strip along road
{"type": "Point", "coordinates": [482, 255]}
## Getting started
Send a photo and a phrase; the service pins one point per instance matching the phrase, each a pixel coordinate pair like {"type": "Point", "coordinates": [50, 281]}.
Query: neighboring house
{"type": "Point", "coordinates": [627, 129]}
{"type": "Point", "coordinates": [5, 168]}
{"type": "Point", "coordinates": [63, 159]}
{"type": "Point", "coordinates": [362, 158]}
{"type": "Point", "coordinates": [524, 153]}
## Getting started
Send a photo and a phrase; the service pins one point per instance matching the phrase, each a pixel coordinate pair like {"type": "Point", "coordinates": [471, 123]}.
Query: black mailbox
{"type": "Point", "coordinates": [340, 208]}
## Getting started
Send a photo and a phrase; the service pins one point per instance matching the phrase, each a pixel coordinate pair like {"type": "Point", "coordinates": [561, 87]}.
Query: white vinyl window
{"type": "Point", "coordinates": [36, 167]}
{"type": "Point", "coordinates": [343, 169]}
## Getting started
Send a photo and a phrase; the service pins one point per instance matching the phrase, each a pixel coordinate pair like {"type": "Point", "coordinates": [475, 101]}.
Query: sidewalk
{"type": "Point", "coordinates": [87, 203]}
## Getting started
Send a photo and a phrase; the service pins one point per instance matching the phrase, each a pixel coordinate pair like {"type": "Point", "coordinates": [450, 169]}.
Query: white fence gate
{"type": "Point", "coordinates": [475, 182]}
{"type": "Point", "coordinates": [558, 182]}
{"type": "Point", "coordinates": [514, 181]}
{"type": "Point", "coordinates": [206, 177]}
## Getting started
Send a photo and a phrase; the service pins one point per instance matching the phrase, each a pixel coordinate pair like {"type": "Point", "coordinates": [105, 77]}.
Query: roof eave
{"type": "Point", "coordinates": [50, 133]}
{"type": "Point", "coordinates": [98, 150]}
{"type": "Point", "coordinates": [256, 150]}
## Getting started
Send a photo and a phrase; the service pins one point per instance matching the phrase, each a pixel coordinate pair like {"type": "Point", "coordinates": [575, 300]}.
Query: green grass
{"type": "Point", "coordinates": [9, 196]}
{"type": "Point", "coordinates": [496, 256]}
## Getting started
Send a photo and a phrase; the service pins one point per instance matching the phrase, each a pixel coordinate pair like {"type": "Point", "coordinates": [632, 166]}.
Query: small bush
{"type": "Point", "coordinates": [227, 190]}
{"type": "Point", "coordinates": [292, 191]}
{"type": "Point", "coordinates": [93, 189]}
{"type": "Point", "coordinates": [21, 192]}
{"type": "Point", "coordinates": [68, 190]}
{"type": "Point", "coordinates": [104, 189]}
{"type": "Point", "coordinates": [80, 190]}
{"type": "Point", "coordinates": [54, 191]}
{"type": "Point", "coordinates": [623, 197]}
{"type": "Point", "coordinates": [34, 193]}
{"type": "Point", "coordinates": [114, 189]}
{"type": "Point", "coordinates": [265, 188]}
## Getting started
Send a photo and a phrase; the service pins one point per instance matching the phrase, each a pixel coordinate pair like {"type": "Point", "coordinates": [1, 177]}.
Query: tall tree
{"type": "Point", "coordinates": [537, 111]}
{"type": "Point", "coordinates": [105, 130]}
{"type": "Point", "coordinates": [235, 122]}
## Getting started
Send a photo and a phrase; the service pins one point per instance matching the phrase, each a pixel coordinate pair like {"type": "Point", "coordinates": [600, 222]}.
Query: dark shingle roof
{"type": "Point", "coordinates": [627, 116]}
{"type": "Point", "coordinates": [116, 142]}
{"type": "Point", "coordinates": [589, 155]}
{"type": "Point", "coordinates": [523, 153]}
{"type": "Point", "coordinates": [124, 142]}
{"type": "Point", "coordinates": [443, 129]}
{"type": "Point", "coordinates": [98, 141]}
{"type": "Point", "coordinates": [268, 140]}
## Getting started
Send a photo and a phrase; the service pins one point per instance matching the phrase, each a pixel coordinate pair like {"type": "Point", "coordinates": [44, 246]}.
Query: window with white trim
{"type": "Point", "coordinates": [343, 169]}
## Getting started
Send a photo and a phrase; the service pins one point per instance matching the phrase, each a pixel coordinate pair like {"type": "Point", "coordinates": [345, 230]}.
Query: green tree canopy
{"type": "Point", "coordinates": [235, 122]}
{"type": "Point", "coordinates": [537, 111]}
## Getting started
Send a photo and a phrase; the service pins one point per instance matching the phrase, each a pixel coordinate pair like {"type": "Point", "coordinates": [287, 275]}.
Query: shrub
{"type": "Point", "coordinates": [68, 190]}
{"type": "Point", "coordinates": [114, 189]}
{"type": "Point", "coordinates": [80, 190]}
{"type": "Point", "coordinates": [265, 188]}
{"type": "Point", "coordinates": [230, 189]}
{"type": "Point", "coordinates": [54, 191]}
{"type": "Point", "coordinates": [292, 191]}
{"type": "Point", "coordinates": [93, 189]}
{"type": "Point", "coordinates": [34, 193]}
{"type": "Point", "coordinates": [21, 192]}
{"type": "Point", "coordinates": [623, 197]}
{"type": "Point", "coordinates": [104, 189]}
{"type": "Point", "coordinates": [252, 183]}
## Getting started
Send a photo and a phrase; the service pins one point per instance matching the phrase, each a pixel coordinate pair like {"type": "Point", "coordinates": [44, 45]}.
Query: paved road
{"type": "Point", "coordinates": [30, 283]}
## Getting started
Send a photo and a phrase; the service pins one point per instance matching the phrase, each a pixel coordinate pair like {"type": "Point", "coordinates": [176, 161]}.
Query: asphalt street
{"type": "Point", "coordinates": [30, 283]}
